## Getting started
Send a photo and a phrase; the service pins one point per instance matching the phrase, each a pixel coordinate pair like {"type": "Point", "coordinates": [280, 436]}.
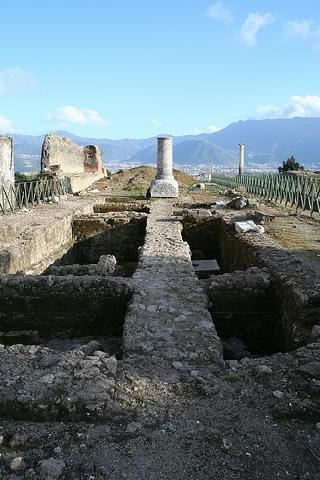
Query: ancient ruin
{"type": "Point", "coordinates": [164, 184]}
{"type": "Point", "coordinates": [82, 165]}
{"type": "Point", "coordinates": [6, 161]}
{"type": "Point", "coordinates": [119, 360]}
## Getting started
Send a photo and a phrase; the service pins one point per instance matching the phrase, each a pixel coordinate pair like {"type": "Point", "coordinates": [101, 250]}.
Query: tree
{"type": "Point", "coordinates": [22, 177]}
{"type": "Point", "coordinates": [290, 164]}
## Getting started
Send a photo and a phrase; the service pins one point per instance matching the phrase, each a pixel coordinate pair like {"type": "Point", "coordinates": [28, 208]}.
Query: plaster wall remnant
{"type": "Point", "coordinates": [6, 161]}
{"type": "Point", "coordinates": [83, 165]}
{"type": "Point", "coordinates": [164, 184]}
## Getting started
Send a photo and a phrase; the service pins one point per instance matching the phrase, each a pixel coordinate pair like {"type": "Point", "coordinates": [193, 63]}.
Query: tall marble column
{"type": "Point", "coordinates": [241, 158]}
{"type": "Point", "coordinates": [164, 184]}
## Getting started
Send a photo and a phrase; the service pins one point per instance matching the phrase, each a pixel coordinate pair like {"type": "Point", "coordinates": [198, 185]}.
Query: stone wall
{"type": "Point", "coordinates": [82, 164]}
{"type": "Point", "coordinates": [241, 307]}
{"type": "Point", "coordinates": [33, 241]}
{"type": "Point", "coordinates": [61, 153]}
{"type": "Point", "coordinates": [92, 160]}
{"type": "Point", "coordinates": [293, 293]}
{"type": "Point", "coordinates": [52, 304]}
{"type": "Point", "coordinates": [114, 234]}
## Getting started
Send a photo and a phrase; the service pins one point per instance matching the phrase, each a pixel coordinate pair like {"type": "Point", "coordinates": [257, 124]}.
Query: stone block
{"type": "Point", "coordinates": [248, 226]}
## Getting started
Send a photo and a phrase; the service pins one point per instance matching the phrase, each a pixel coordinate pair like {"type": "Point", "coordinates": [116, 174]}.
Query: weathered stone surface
{"type": "Point", "coordinates": [238, 203]}
{"type": "Point", "coordinates": [164, 188]}
{"type": "Point", "coordinates": [32, 240]}
{"type": "Point", "coordinates": [6, 161]}
{"type": "Point", "coordinates": [164, 185]}
{"type": "Point", "coordinates": [61, 153]}
{"type": "Point", "coordinates": [6, 172]}
{"type": "Point", "coordinates": [175, 325]}
{"type": "Point", "coordinates": [83, 165]}
{"type": "Point", "coordinates": [248, 226]}
{"type": "Point", "coordinates": [105, 266]}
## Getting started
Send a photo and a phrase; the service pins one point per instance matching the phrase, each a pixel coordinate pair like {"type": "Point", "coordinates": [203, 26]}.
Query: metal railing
{"type": "Point", "coordinates": [297, 191]}
{"type": "Point", "coordinates": [26, 194]}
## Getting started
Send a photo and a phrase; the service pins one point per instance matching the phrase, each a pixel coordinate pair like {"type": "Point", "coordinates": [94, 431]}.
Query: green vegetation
{"type": "Point", "coordinates": [289, 165]}
{"type": "Point", "coordinates": [21, 177]}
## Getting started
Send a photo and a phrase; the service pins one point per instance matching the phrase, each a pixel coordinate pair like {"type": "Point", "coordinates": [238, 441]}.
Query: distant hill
{"type": "Point", "coordinates": [268, 142]}
{"type": "Point", "coordinates": [191, 152]}
{"type": "Point", "coordinates": [273, 140]}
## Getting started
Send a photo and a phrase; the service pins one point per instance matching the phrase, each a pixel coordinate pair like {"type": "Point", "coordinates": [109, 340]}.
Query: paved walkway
{"type": "Point", "coordinates": [168, 329]}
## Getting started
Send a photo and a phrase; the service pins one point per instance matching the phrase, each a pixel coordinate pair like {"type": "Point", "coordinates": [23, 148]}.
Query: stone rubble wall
{"type": "Point", "coordinates": [295, 295]}
{"type": "Point", "coordinates": [105, 266]}
{"type": "Point", "coordinates": [168, 331]}
{"type": "Point", "coordinates": [117, 234]}
{"type": "Point", "coordinates": [51, 304]}
{"type": "Point", "coordinates": [242, 308]}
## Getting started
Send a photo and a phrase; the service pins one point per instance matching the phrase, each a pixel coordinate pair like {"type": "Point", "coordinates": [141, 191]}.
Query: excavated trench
{"type": "Point", "coordinates": [54, 309]}
{"type": "Point", "coordinates": [253, 308]}
{"type": "Point", "coordinates": [99, 234]}
{"type": "Point", "coordinates": [254, 311]}
{"type": "Point", "coordinates": [74, 301]}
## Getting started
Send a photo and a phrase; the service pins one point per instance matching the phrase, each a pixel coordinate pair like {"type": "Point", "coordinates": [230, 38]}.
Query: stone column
{"type": "Point", "coordinates": [164, 185]}
{"type": "Point", "coordinates": [6, 172]}
{"type": "Point", "coordinates": [241, 158]}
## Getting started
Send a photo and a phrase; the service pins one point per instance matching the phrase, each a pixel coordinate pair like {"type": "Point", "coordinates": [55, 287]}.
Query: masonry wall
{"type": "Point", "coordinates": [52, 305]}
{"type": "Point", "coordinates": [100, 234]}
{"type": "Point", "coordinates": [294, 297]}
{"type": "Point", "coordinates": [36, 241]}
{"type": "Point", "coordinates": [61, 153]}
{"type": "Point", "coordinates": [6, 161]}
{"type": "Point", "coordinates": [92, 160]}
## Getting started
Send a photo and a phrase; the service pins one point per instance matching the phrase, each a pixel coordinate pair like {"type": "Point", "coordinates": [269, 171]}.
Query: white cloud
{"type": "Point", "coordinates": [219, 12]}
{"type": "Point", "coordinates": [70, 114]}
{"type": "Point", "coordinates": [298, 106]}
{"type": "Point", "coordinates": [252, 25]}
{"type": "Point", "coordinates": [213, 128]}
{"type": "Point", "coordinates": [6, 125]}
{"type": "Point", "coordinates": [155, 122]}
{"type": "Point", "coordinates": [304, 30]}
{"type": "Point", "coordinates": [297, 28]}
{"type": "Point", "coordinates": [15, 80]}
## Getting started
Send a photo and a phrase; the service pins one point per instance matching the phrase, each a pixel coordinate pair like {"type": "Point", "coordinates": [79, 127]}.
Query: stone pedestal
{"type": "Point", "coordinates": [164, 185]}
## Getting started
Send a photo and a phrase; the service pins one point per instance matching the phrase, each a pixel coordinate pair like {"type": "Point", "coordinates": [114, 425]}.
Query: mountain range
{"type": "Point", "coordinates": [268, 143]}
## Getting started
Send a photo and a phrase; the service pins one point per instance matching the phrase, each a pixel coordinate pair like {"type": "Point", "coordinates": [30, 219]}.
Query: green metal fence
{"type": "Point", "coordinates": [14, 197]}
{"type": "Point", "coordinates": [291, 190]}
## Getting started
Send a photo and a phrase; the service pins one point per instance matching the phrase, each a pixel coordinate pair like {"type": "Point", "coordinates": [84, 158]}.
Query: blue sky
{"type": "Point", "coordinates": [137, 68]}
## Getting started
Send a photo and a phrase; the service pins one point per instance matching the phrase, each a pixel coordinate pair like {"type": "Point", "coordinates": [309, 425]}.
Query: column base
{"type": "Point", "coordinates": [164, 189]}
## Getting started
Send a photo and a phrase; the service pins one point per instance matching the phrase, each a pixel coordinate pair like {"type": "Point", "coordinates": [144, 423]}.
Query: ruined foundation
{"type": "Point", "coordinates": [112, 349]}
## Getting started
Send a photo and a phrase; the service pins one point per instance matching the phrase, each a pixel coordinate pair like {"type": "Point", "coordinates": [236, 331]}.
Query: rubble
{"type": "Point", "coordinates": [248, 226]}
